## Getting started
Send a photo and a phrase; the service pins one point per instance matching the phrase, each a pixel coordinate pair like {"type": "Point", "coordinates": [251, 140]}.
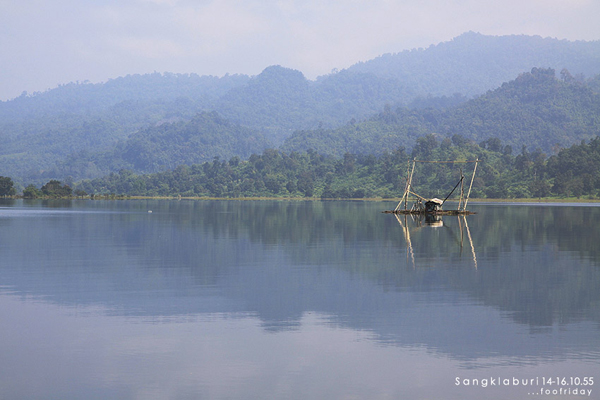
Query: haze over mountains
{"type": "Point", "coordinates": [154, 122]}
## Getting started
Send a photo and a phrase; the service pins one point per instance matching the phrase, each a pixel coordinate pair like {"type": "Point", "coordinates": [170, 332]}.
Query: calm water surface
{"type": "Point", "coordinates": [296, 300]}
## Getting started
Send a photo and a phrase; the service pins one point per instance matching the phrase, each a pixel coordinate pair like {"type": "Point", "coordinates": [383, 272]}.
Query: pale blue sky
{"type": "Point", "coordinates": [44, 43]}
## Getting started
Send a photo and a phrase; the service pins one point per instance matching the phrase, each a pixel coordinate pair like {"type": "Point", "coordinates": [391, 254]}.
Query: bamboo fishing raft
{"type": "Point", "coordinates": [423, 206]}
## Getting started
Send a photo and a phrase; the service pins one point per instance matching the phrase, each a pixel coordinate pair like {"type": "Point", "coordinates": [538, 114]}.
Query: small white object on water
{"type": "Point", "coordinates": [149, 211]}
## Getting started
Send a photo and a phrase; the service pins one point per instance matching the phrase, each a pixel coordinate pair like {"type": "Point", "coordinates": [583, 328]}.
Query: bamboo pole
{"type": "Point", "coordinates": [461, 233]}
{"type": "Point", "coordinates": [409, 183]}
{"type": "Point", "coordinates": [407, 187]}
{"type": "Point", "coordinates": [462, 190]}
{"type": "Point", "coordinates": [420, 197]}
{"type": "Point", "coordinates": [471, 185]}
{"type": "Point", "coordinates": [470, 241]}
{"type": "Point", "coordinates": [407, 239]}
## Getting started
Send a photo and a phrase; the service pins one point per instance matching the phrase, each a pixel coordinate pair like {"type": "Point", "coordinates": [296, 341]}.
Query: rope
{"type": "Point", "coordinates": [459, 182]}
{"type": "Point", "coordinates": [447, 162]}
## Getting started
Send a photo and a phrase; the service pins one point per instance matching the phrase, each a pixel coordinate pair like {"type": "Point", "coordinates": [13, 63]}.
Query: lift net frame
{"type": "Point", "coordinates": [408, 190]}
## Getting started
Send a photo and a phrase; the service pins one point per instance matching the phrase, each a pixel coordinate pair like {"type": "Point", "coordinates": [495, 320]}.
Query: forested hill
{"type": "Point", "coordinates": [537, 110]}
{"type": "Point", "coordinates": [473, 63]}
{"type": "Point", "coordinates": [281, 100]}
{"type": "Point", "coordinates": [40, 131]}
{"type": "Point", "coordinates": [206, 137]}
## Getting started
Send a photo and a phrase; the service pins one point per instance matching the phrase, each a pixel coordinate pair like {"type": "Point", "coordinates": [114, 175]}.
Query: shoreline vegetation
{"type": "Point", "coordinates": [571, 175]}
{"type": "Point", "coordinates": [545, 200]}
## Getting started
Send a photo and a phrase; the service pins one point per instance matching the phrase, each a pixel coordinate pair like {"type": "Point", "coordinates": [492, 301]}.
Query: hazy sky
{"type": "Point", "coordinates": [44, 43]}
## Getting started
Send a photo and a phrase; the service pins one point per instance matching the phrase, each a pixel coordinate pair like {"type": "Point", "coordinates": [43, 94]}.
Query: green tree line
{"type": "Point", "coordinates": [502, 173]}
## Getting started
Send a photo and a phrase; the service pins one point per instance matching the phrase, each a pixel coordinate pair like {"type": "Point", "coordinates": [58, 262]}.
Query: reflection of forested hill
{"type": "Point", "coordinates": [279, 260]}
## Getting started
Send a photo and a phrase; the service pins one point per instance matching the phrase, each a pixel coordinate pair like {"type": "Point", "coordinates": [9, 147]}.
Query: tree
{"type": "Point", "coordinates": [306, 184]}
{"type": "Point", "coordinates": [54, 189]}
{"type": "Point", "coordinates": [31, 192]}
{"type": "Point", "coordinates": [6, 186]}
{"type": "Point", "coordinates": [539, 188]}
{"type": "Point", "coordinates": [425, 146]}
{"type": "Point", "coordinates": [80, 193]}
{"type": "Point", "coordinates": [566, 76]}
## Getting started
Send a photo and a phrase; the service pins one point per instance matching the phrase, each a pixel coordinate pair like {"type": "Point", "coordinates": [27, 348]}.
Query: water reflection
{"type": "Point", "coordinates": [419, 222]}
{"type": "Point", "coordinates": [69, 356]}
{"type": "Point", "coordinates": [510, 286]}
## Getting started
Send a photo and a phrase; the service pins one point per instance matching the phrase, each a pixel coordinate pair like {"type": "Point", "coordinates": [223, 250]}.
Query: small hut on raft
{"type": "Point", "coordinates": [434, 206]}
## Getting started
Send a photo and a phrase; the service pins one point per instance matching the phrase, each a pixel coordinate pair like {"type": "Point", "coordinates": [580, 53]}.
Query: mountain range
{"type": "Point", "coordinates": [84, 130]}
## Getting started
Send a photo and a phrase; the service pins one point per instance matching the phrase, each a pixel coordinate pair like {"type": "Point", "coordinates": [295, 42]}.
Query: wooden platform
{"type": "Point", "coordinates": [419, 212]}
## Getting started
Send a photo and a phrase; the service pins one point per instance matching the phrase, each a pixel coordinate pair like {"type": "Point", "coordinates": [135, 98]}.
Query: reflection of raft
{"type": "Point", "coordinates": [423, 206]}
{"type": "Point", "coordinates": [432, 220]}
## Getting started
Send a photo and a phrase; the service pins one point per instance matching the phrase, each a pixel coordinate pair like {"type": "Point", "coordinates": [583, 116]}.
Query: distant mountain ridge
{"type": "Point", "coordinates": [536, 110]}
{"type": "Point", "coordinates": [38, 132]}
{"type": "Point", "coordinates": [472, 63]}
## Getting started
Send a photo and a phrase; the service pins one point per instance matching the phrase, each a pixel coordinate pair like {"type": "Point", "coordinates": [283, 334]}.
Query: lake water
{"type": "Point", "coordinates": [297, 300]}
